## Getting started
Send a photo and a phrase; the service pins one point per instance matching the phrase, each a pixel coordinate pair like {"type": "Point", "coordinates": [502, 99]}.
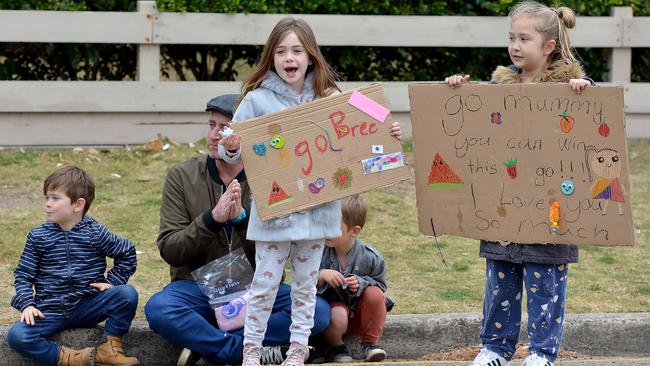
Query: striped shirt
{"type": "Point", "coordinates": [57, 267]}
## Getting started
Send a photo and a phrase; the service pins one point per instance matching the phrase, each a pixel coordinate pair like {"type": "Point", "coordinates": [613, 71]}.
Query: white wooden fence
{"type": "Point", "coordinates": [126, 112]}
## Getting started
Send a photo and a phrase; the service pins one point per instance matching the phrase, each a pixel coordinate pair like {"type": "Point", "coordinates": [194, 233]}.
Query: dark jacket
{"type": "Point", "coordinates": [559, 71]}
{"type": "Point", "coordinates": [188, 236]}
{"type": "Point", "coordinates": [59, 266]}
{"type": "Point", "coordinates": [365, 262]}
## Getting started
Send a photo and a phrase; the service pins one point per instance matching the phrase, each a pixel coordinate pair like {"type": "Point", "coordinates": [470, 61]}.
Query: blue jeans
{"type": "Point", "coordinates": [180, 313]}
{"type": "Point", "coordinates": [546, 286]}
{"type": "Point", "coordinates": [117, 304]}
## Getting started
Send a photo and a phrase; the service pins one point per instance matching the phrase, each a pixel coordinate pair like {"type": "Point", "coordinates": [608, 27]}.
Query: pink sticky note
{"type": "Point", "coordinates": [368, 106]}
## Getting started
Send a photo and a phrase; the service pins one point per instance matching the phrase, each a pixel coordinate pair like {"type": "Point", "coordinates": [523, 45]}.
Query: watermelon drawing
{"type": "Point", "coordinates": [278, 196]}
{"type": "Point", "coordinates": [441, 174]}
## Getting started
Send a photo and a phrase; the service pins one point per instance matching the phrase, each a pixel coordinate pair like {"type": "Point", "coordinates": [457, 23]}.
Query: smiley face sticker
{"type": "Point", "coordinates": [277, 141]}
{"type": "Point", "coordinates": [567, 187]}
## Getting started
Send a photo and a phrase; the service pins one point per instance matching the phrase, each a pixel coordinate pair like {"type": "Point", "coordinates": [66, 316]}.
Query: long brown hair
{"type": "Point", "coordinates": [554, 25]}
{"type": "Point", "coordinates": [324, 82]}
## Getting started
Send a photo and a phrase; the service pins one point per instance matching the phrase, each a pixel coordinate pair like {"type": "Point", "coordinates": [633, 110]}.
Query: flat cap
{"type": "Point", "coordinates": [223, 103]}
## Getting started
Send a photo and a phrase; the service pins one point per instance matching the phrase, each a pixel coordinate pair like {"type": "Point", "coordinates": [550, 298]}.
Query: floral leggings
{"type": "Point", "coordinates": [270, 259]}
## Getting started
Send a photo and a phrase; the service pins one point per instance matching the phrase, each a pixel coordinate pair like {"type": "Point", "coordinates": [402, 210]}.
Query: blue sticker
{"type": "Point", "coordinates": [259, 149]}
{"type": "Point", "coordinates": [567, 187]}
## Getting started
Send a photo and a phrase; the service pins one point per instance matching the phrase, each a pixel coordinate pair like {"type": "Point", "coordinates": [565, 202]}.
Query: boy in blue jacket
{"type": "Point", "coordinates": [60, 282]}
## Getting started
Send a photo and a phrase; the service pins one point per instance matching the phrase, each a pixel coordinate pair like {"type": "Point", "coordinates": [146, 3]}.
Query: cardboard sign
{"type": "Point", "coordinates": [321, 151]}
{"type": "Point", "coordinates": [533, 163]}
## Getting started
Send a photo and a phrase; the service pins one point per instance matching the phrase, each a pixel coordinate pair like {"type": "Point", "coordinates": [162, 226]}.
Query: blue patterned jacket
{"type": "Point", "coordinates": [56, 267]}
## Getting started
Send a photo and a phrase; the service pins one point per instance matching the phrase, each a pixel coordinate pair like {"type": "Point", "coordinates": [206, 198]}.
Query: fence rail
{"type": "Point", "coordinates": [71, 112]}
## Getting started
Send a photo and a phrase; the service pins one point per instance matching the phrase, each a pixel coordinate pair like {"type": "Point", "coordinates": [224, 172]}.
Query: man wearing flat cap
{"type": "Point", "coordinates": [205, 203]}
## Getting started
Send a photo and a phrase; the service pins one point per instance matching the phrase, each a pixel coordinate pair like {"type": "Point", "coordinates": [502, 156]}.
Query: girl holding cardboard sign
{"type": "Point", "coordinates": [539, 49]}
{"type": "Point", "coordinates": [292, 71]}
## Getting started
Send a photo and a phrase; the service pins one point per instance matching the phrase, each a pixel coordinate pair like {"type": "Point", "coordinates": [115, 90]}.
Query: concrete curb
{"type": "Point", "coordinates": [405, 337]}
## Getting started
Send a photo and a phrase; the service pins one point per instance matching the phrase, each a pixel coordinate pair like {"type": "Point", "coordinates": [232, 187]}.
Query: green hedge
{"type": "Point", "coordinates": [208, 62]}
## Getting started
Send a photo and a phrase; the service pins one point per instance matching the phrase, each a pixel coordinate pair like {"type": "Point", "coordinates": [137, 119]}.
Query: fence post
{"type": "Point", "coordinates": [148, 54]}
{"type": "Point", "coordinates": [620, 59]}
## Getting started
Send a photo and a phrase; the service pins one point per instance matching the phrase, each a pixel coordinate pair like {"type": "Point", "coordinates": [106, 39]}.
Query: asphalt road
{"type": "Point", "coordinates": [595, 361]}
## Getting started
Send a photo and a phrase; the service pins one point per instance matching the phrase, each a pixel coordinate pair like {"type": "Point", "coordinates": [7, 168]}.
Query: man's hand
{"type": "Point", "coordinates": [101, 286]}
{"type": "Point", "coordinates": [28, 315]}
{"type": "Point", "coordinates": [331, 277]}
{"type": "Point", "coordinates": [235, 199]}
{"type": "Point", "coordinates": [353, 283]}
{"type": "Point", "coordinates": [229, 205]}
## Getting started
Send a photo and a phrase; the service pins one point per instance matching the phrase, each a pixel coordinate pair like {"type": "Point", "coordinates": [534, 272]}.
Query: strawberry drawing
{"type": "Point", "coordinates": [511, 166]}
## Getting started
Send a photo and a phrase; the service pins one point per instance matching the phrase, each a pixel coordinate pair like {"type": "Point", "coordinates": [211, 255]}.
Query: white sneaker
{"type": "Point", "coordinates": [251, 355]}
{"type": "Point", "coordinates": [489, 358]}
{"type": "Point", "coordinates": [273, 355]}
{"type": "Point", "coordinates": [536, 360]}
{"type": "Point", "coordinates": [296, 355]}
{"type": "Point", "coordinates": [189, 358]}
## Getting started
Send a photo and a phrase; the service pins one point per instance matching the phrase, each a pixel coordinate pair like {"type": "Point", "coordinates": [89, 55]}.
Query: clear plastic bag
{"type": "Point", "coordinates": [225, 279]}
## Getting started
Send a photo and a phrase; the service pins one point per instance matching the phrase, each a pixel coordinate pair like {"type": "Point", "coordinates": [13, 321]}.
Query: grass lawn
{"type": "Point", "coordinates": [129, 183]}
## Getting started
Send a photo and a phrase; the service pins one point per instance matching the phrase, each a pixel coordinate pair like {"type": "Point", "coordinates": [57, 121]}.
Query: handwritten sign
{"type": "Point", "coordinates": [524, 163]}
{"type": "Point", "coordinates": [319, 152]}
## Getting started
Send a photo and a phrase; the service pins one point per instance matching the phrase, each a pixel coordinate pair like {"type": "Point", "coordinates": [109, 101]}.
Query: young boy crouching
{"type": "Point", "coordinates": [352, 279]}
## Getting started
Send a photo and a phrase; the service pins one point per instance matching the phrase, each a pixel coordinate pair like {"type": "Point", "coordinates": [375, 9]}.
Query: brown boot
{"type": "Point", "coordinates": [111, 353]}
{"type": "Point", "coordinates": [73, 357]}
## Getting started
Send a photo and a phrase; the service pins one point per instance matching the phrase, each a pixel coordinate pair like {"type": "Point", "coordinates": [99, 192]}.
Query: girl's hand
{"type": "Point", "coordinates": [353, 283]}
{"type": "Point", "coordinates": [231, 143]}
{"type": "Point", "coordinates": [332, 277]}
{"type": "Point", "coordinates": [396, 131]}
{"type": "Point", "coordinates": [28, 315]}
{"type": "Point", "coordinates": [578, 85]}
{"type": "Point", "coordinates": [101, 286]}
{"type": "Point", "coordinates": [456, 80]}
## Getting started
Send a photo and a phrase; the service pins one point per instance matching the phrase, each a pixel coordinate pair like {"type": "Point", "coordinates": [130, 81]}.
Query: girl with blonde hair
{"type": "Point", "coordinates": [540, 52]}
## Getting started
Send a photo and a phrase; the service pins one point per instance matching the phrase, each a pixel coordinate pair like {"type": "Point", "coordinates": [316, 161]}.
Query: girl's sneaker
{"type": "Point", "coordinates": [535, 360]}
{"type": "Point", "coordinates": [252, 355]}
{"type": "Point", "coordinates": [296, 355]}
{"type": "Point", "coordinates": [489, 358]}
